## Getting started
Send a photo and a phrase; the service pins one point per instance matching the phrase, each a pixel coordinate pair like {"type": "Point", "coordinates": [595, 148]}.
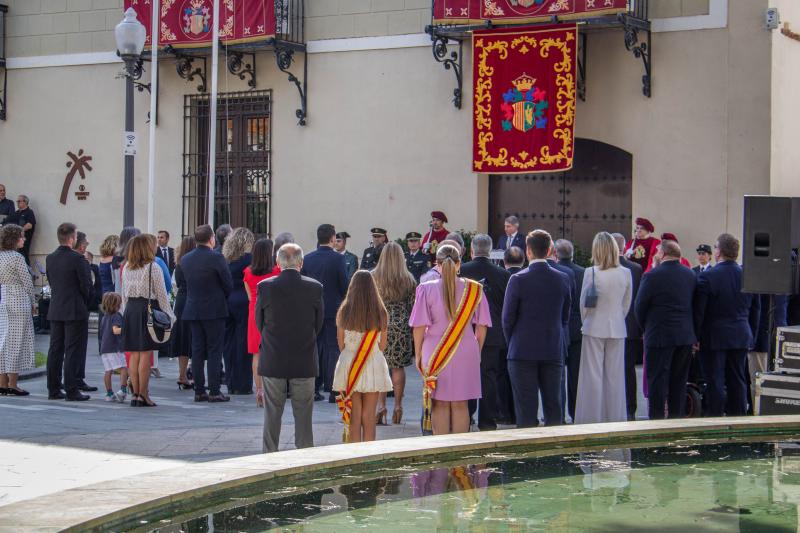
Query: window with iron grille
{"type": "Point", "coordinates": [243, 161]}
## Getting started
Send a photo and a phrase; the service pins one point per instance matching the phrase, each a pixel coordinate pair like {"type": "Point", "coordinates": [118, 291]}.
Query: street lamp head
{"type": "Point", "coordinates": [130, 35]}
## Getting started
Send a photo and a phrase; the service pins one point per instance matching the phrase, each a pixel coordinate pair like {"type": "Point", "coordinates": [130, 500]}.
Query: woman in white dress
{"type": "Point", "coordinates": [601, 380]}
{"type": "Point", "coordinates": [362, 323]}
{"type": "Point", "coordinates": [16, 311]}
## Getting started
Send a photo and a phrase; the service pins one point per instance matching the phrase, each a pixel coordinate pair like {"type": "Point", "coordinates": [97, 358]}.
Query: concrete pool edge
{"type": "Point", "coordinates": [92, 506]}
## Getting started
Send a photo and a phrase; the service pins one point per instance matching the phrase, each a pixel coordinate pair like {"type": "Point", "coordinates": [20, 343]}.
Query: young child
{"type": "Point", "coordinates": [111, 347]}
{"type": "Point", "coordinates": [361, 324]}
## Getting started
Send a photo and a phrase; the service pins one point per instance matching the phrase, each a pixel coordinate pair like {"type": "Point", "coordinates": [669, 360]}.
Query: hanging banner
{"type": "Point", "coordinates": [524, 84]}
{"type": "Point", "coordinates": [189, 23]}
{"type": "Point", "coordinates": [521, 11]}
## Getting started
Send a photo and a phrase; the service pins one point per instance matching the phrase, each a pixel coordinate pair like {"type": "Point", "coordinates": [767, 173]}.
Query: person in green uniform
{"type": "Point", "coordinates": [371, 255]}
{"type": "Point", "coordinates": [417, 261]}
{"type": "Point", "coordinates": [350, 259]}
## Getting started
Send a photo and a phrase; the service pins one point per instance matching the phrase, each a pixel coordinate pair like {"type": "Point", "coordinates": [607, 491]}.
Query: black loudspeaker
{"type": "Point", "coordinates": [771, 242]}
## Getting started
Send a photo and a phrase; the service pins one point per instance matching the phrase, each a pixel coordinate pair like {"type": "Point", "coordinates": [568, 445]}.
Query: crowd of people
{"type": "Point", "coordinates": [489, 338]}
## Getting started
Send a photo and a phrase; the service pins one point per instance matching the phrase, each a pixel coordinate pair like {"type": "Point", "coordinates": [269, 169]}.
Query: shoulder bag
{"type": "Point", "coordinates": [590, 302]}
{"type": "Point", "coordinates": [157, 320]}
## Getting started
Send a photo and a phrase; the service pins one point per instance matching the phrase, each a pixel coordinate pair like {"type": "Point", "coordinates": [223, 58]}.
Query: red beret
{"type": "Point", "coordinates": [646, 224]}
{"type": "Point", "coordinates": [438, 214]}
{"type": "Point", "coordinates": [669, 237]}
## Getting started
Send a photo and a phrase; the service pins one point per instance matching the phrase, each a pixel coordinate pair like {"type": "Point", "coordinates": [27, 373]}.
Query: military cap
{"type": "Point", "coordinates": [343, 235]}
{"type": "Point", "coordinates": [413, 236]}
{"type": "Point", "coordinates": [378, 231]}
{"type": "Point", "coordinates": [704, 248]}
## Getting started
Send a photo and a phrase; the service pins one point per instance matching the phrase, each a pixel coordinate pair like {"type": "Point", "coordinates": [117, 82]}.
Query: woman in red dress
{"type": "Point", "coordinates": [262, 267]}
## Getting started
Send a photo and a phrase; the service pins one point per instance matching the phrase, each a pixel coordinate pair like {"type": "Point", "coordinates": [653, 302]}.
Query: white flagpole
{"type": "Point", "coordinates": [151, 163]}
{"type": "Point", "coordinates": [212, 137]}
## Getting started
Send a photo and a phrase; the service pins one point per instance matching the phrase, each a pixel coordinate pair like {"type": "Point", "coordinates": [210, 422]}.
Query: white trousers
{"type": "Point", "coordinates": [601, 381]}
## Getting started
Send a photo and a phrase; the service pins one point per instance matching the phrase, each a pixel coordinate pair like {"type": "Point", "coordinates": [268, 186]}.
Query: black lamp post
{"type": "Point", "coordinates": [130, 35]}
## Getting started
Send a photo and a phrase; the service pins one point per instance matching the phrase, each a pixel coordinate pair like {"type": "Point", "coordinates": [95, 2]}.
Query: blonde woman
{"type": "Point", "coordinates": [601, 380]}
{"type": "Point", "coordinates": [396, 286]}
{"type": "Point", "coordinates": [458, 376]}
{"type": "Point", "coordinates": [238, 362]}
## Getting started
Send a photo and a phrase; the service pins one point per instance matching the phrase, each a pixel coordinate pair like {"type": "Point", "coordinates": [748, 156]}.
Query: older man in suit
{"type": "Point", "coordinates": [511, 236]}
{"type": "Point", "coordinates": [71, 291]}
{"type": "Point", "coordinates": [726, 320]}
{"type": "Point", "coordinates": [495, 281]}
{"type": "Point", "coordinates": [208, 284]}
{"type": "Point", "coordinates": [634, 347]}
{"type": "Point", "coordinates": [328, 267]}
{"type": "Point", "coordinates": [535, 320]}
{"type": "Point", "coordinates": [290, 314]}
{"type": "Point", "coordinates": [664, 309]}
{"type": "Point", "coordinates": [565, 252]}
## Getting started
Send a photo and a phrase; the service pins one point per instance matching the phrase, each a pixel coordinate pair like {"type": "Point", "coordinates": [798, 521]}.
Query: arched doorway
{"type": "Point", "coordinates": [594, 196]}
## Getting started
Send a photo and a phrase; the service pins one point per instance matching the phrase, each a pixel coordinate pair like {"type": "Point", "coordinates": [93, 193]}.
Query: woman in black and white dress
{"type": "Point", "coordinates": [16, 311]}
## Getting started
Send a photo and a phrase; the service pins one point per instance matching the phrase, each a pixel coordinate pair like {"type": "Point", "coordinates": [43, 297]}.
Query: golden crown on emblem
{"type": "Point", "coordinates": [197, 4]}
{"type": "Point", "coordinates": [524, 83]}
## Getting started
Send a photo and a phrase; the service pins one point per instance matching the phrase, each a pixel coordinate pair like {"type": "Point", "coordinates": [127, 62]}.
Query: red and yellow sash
{"type": "Point", "coordinates": [446, 349]}
{"type": "Point", "coordinates": [343, 400]}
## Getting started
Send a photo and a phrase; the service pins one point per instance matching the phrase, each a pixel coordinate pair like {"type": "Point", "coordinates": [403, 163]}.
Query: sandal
{"type": "Point", "coordinates": [397, 415]}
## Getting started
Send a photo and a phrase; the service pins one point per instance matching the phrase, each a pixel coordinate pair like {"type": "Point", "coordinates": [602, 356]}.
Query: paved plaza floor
{"type": "Point", "coordinates": [47, 446]}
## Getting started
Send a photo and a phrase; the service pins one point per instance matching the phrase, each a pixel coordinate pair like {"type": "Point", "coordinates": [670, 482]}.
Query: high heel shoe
{"type": "Point", "coordinates": [397, 415]}
{"type": "Point", "coordinates": [135, 400]}
{"type": "Point", "coordinates": [183, 385]}
{"type": "Point", "coordinates": [380, 417]}
{"type": "Point", "coordinates": [146, 402]}
{"type": "Point", "coordinates": [3, 391]}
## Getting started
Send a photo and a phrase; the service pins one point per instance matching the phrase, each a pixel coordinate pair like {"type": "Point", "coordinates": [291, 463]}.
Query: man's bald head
{"type": "Point", "coordinates": [670, 249]}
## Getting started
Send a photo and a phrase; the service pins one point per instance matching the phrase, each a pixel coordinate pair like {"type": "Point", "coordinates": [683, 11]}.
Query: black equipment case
{"type": "Point", "coordinates": [787, 351]}
{"type": "Point", "coordinates": [777, 394]}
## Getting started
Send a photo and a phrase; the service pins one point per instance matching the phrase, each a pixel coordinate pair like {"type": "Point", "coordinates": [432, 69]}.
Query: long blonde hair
{"type": "Point", "coordinates": [605, 251]}
{"type": "Point", "coordinates": [448, 258]}
{"type": "Point", "coordinates": [392, 277]}
{"type": "Point", "coordinates": [362, 308]}
{"type": "Point", "coordinates": [237, 244]}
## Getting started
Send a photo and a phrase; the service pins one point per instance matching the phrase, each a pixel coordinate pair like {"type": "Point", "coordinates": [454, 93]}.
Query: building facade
{"type": "Point", "coordinates": [383, 144]}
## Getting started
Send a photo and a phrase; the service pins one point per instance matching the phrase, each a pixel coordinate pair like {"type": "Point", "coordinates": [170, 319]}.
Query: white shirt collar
{"type": "Point", "coordinates": [539, 261]}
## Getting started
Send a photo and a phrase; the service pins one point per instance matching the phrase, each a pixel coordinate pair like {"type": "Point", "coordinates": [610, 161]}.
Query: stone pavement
{"type": "Point", "coordinates": [48, 446]}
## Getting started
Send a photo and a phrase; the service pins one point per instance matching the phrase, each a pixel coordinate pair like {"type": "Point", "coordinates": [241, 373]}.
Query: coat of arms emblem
{"type": "Point", "coordinates": [523, 106]}
{"type": "Point", "coordinates": [196, 18]}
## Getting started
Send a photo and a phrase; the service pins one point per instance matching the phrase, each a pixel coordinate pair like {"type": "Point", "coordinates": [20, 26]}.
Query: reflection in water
{"type": "Point", "coordinates": [726, 487]}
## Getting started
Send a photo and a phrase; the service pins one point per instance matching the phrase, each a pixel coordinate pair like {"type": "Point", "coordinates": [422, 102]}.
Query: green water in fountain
{"type": "Point", "coordinates": [732, 487]}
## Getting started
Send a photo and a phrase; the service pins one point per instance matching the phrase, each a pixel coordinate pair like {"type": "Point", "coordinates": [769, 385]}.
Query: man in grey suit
{"type": "Point", "coordinates": [289, 313]}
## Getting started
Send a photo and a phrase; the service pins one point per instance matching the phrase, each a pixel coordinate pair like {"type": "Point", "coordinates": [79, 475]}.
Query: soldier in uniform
{"type": "Point", "coordinates": [371, 255]}
{"type": "Point", "coordinates": [350, 259]}
{"type": "Point", "coordinates": [417, 261]}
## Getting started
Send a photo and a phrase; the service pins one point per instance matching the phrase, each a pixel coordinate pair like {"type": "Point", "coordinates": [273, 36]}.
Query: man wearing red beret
{"type": "Point", "coordinates": [671, 237]}
{"type": "Point", "coordinates": [642, 247]}
{"type": "Point", "coordinates": [437, 233]}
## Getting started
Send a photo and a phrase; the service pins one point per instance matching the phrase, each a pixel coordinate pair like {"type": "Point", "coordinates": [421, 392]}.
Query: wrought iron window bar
{"type": "Point", "coordinates": [3, 70]}
{"type": "Point", "coordinates": [447, 41]}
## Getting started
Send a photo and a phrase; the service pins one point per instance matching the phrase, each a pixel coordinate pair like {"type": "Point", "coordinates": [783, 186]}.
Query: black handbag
{"type": "Point", "coordinates": [590, 302]}
{"type": "Point", "coordinates": [157, 320]}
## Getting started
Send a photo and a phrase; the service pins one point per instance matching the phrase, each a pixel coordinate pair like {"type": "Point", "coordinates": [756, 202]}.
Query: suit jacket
{"type": "Point", "coordinates": [664, 306]}
{"type": "Point", "coordinates": [696, 269]}
{"type": "Point", "coordinates": [725, 318]}
{"type": "Point", "coordinates": [289, 313]}
{"type": "Point", "coordinates": [634, 328]}
{"type": "Point", "coordinates": [536, 313]}
{"type": "Point", "coordinates": [328, 266]}
{"type": "Point", "coordinates": [168, 258]}
{"type": "Point", "coordinates": [763, 334]}
{"type": "Point", "coordinates": [574, 294]}
{"type": "Point", "coordinates": [615, 294]}
{"type": "Point", "coordinates": [208, 284]}
{"type": "Point", "coordinates": [495, 281]}
{"type": "Point", "coordinates": [70, 282]}
{"type": "Point", "coordinates": [97, 287]}
{"type": "Point", "coordinates": [514, 270]}
{"type": "Point", "coordinates": [575, 321]}
{"type": "Point", "coordinates": [519, 242]}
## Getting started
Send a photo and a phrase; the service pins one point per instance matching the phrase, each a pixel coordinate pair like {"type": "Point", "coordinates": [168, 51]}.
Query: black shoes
{"type": "Point", "coordinates": [202, 397]}
{"type": "Point", "coordinates": [3, 391]}
{"type": "Point", "coordinates": [318, 397]}
{"type": "Point", "coordinates": [77, 397]}
{"type": "Point", "coordinates": [332, 398]}
{"type": "Point", "coordinates": [56, 395]}
{"type": "Point", "coordinates": [16, 392]}
{"type": "Point", "coordinates": [216, 398]}
{"type": "Point", "coordinates": [83, 387]}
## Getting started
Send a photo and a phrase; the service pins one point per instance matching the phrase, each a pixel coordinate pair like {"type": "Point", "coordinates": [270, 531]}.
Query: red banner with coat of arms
{"type": "Point", "coordinates": [189, 23]}
{"type": "Point", "coordinates": [524, 84]}
{"type": "Point", "coordinates": [521, 11]}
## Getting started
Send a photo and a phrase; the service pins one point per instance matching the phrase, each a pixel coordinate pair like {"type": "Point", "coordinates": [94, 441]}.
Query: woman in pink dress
{"type": "Point", "coordinates": [460, 380]}
{"type": "Point", "coordinates": [261, 267]}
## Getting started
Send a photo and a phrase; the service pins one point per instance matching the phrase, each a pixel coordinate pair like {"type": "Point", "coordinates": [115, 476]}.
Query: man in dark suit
{"type": "Point", "coordinates": [535, 319]}
{"type": "Point", "coordinates": [328, 267]}
{"type": "Point", "coordinates": [565, 253]}
{"type": "Point", "coordinates": [513, 261]}
{"type": "Point", "coordinates": [71, 290]}
{"type": "Point", "coordinates": [165, 252]}
{"type": "Point", "coordinates": [575, 294]}
{"type": "Point", "coordinates": [634, 347]}
{"type": "Point", "coordinates": [208, 284]}
{"type": "Point", "coordinates": [290, 314]}
{"type": "Point", "coordinates": [726, 320]}
{"type": "Point", "coordinates": [663, 307]}
{"type": "Point", "coordinates": [512, 236]}
{"type": "Point", "coordinates": [25, 218]}
{"type": "Point", "coordinates": [494, 280]}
